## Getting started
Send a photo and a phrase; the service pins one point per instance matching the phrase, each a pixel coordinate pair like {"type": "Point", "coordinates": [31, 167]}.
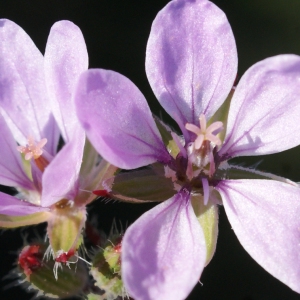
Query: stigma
{"type": "Point", "coordinates": [200, 152]}
{"type": "Point", "coordinates": [205, 133]}
{"type": "Point", "coordinates": [35, 150]}
{"type": "Point", "coordinates": [32, 149]}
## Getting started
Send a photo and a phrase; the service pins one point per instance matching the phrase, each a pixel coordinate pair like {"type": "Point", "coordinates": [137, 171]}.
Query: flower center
{"type": "Point", "coordinates": [194, 165]}
{"type": "Point", "coordinates": [200, 152]}
{"type": "Point", "coordinates": [34, 150]}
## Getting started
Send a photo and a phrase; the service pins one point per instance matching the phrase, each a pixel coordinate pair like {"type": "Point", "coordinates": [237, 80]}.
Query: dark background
{"type": "Point", "coordinates": [116, 33]}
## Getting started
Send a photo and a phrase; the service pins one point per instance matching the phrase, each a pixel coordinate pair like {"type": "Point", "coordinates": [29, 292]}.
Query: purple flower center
{"type": "Point", "coordinates": [195, 164]}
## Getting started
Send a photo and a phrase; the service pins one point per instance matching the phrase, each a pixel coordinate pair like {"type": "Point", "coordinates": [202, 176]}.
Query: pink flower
{"type": "Point", "coordinates": [36, 108]}
{"type": "Point", "coordinates": [191, 64]}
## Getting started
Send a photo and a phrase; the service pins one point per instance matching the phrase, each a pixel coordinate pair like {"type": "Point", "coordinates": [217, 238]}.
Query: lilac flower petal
{"type": "Point", "coordinates": [164, 252]}
{"type": "Point", "coordinates": [264, 215]}
{"type": "Point", "coordinates": [12, 206]}
{"type": "Point", "coordinates": [117, 120]}
{"type": "Point", "coordinates": [191, 59]}
{"type": "Point", "coordinates": [23, 100]}
{"type": "Point", "coordinates": [65, 59]}
{"type": "Point", "coordinates": [265, 109]}
{"type": "Point", "coordinates": [60, 178]}
{"type": "Point", "coordinates": [11, 167]}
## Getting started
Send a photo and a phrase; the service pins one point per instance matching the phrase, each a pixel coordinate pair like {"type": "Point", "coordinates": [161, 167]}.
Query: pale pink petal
{"type": "Point", "coordinates": [12, 206]}
{"type": "Point", "coordinates": [264, 215]}
{"type": "Point", "coordinates": [60, 178]}
{"type": "Point", "coordinates": [65, 59]}
{"type": "Point", "coordinates": [117, 120]}
{"type": "Point", "coordinates": [265, 109]}
{"type": "Point", "coordinates": [191, 59]}
{"type": "Point", "coordinates": [11, 166]}
{"type": "Point", "coordinates": [164, 252]}
{"type": "Point", "coordinates": [23, 98]}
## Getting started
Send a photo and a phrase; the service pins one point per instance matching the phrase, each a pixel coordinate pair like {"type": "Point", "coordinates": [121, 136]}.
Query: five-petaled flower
{"type": "Point", "coordinates": [36, 107]}
{"type": "Point", "coordinates": [191, 64]}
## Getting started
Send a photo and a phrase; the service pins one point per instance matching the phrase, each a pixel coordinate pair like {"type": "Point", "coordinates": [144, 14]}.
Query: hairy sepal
{"type": "Point", "coordinates": [222, 115]}
{"type": "Point", "coordinates": [227, 171]}
{"type": "Point", "coordinates": [65, 229]}
{"type": "Point", "coordinates": [166, 135]}
{"type": "Point", "coordinates": [94, 170]}
{"type": "Point", "coordinates": [144, 185]}
{"type": "Point", "coordinates": [208, 218]}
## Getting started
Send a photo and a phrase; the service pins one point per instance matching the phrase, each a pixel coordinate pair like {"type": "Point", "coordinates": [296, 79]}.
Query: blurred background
{"type": "Point", "coordinates": [116, 33]}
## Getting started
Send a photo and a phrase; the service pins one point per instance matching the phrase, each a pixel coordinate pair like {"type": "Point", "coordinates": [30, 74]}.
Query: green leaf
{"type": "Point", "coordinates": [222, 115]}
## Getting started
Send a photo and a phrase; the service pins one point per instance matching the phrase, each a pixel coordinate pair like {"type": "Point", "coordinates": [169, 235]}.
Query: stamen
{"type": "Point", "coordinates": [32, 149]}
{"type": "Point", "coordinates": [205, 134]}
{"type": "Point", "coordinates": [205, 190]}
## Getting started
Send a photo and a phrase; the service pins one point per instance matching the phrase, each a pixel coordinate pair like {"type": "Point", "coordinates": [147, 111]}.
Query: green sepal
{"type": "Point", "coordinates": [143, 185]}
{"type": "Point", "coordinates": [222, 115]}
{"type": "Point", "coordinates": [65, 228]}
{"type": "Point", "coordinates": [208, 217]}
{"type": "Point", "coordinates": [113, 258]}
{"type": "Point", "coordinates": [89, 159]}
{"type": "Point", "coordinates": [19, 221]}
{"type": "Point", "coordinates": [165, 132]}
{"type": "Point", "coordinates": [227, 171]}
{"type": "Point", "coordinates": [71, 281]}
{"type": "Point", "coordinates": [26, 166]}
{"type": "Point", "coordinates": [94, 170]}
{"type": "Point", "coordinates": [95, 297]}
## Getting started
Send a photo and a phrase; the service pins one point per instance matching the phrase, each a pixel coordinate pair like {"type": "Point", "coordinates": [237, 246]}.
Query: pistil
{"type": "Point", "coordinates": [205, 134]}
{"type": "Point", "coordinates": [201, 161]}
{"type": "Point", "coordinates": [35, 150]}
{"type": "Point", "coordinates": [200, 152]}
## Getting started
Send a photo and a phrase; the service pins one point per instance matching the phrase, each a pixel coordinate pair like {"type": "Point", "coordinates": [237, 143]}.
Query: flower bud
{"type": "Point", "coordinates": [106, 268]}
{"type": "Point", "coordinates": [38, 274]}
